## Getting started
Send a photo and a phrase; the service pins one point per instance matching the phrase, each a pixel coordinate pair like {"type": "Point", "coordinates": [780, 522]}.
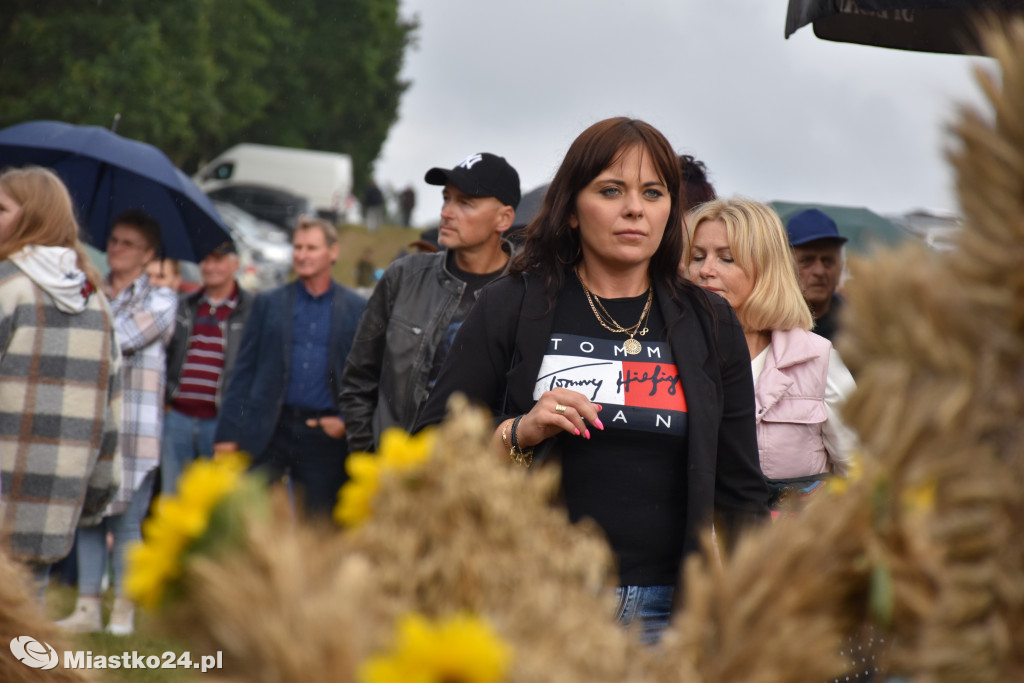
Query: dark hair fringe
{"type": "Point", "coordinates": [145, 224]}
{"type": "Point", "coordinates": [552, 248]}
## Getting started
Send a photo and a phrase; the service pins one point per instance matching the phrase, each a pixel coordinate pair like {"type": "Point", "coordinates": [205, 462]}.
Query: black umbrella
{"type": "Point", "coordinates": [948, 26]}
{"type": "Point", "coordinates": [107, 174]}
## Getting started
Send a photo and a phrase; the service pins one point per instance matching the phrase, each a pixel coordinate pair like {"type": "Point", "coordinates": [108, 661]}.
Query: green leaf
{"type": "Point", "coordinates": [881, 598]}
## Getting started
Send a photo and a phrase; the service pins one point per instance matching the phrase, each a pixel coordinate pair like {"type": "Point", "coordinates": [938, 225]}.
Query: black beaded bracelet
{"type": "Point", "coordinates": [515, 432]}
{"type": "Point", "coordinates": [518, 455]}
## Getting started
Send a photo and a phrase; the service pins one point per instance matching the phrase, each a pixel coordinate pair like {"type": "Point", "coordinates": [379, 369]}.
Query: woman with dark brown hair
{"type": "Point", "coordinates": [594, 348]}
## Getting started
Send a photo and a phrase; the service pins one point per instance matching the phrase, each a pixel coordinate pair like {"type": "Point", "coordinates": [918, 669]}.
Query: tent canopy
{"type": "Point", "coordinates": [944, 26]}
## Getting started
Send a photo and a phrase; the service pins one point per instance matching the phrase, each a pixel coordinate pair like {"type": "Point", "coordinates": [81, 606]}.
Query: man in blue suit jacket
{"type": "Point", "coordinates": [281, 403]}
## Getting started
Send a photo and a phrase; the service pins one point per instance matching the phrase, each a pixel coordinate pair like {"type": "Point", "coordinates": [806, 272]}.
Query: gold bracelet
{"type": "Point", "coordinates": [524, 458]}
{"type": "Point", "coordinates": [504, 431]}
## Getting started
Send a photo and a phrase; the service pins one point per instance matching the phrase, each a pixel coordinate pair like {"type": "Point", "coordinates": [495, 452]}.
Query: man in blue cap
{"type": "Point", "coordinates": [818, 251]}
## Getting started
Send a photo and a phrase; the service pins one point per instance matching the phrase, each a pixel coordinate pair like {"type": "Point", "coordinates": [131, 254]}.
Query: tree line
{"type": "Point", "coordinates": [194, 77]}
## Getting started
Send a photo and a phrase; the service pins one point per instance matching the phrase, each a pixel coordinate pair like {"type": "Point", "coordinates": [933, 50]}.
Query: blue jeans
{"type": "Point", "coordinates": [92, 542]}
{"type": "Point", "coordinates": [650, 605]}
{"type": "Point", "coordinates": [184, 439]}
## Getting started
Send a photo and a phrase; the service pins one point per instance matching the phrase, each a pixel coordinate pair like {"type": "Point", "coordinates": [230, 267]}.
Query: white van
{"type": "Point", "coordinates": [324, 177]}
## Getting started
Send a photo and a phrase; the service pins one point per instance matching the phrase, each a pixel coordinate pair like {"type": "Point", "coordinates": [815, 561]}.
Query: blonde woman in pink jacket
{"type": "Point", "coordinates": [738, 249]}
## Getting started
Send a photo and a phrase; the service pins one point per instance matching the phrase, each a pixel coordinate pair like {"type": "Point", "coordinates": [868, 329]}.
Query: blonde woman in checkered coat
{"type": "Point", "coordinates": [60, 379]}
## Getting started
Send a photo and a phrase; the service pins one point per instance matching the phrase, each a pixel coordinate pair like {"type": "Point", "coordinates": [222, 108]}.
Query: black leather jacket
{"type": "Point", "coordinates": [188, 306]}
{"type": "Point", "coordinates": [386, 375]}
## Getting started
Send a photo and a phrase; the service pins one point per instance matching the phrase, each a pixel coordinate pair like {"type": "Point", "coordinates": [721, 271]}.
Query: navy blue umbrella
{"type": "Point", "coordinates": [107, 174]}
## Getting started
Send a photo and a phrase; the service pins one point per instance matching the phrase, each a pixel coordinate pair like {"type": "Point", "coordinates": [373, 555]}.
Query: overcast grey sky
{"type": "Point", "coordinates": [798, 120]}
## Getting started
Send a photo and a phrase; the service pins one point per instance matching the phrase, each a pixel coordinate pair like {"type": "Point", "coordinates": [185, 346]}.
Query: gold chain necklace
{"type": "Point", "coordinates": [608, 315]}
{"type": "Point", "coordinates": [631, 346]}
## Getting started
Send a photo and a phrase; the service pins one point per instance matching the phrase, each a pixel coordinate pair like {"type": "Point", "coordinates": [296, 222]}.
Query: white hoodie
{"type": "Point", "coordinates": [55, 270]}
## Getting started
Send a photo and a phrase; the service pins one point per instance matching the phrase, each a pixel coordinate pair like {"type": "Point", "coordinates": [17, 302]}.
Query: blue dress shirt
{"type": "Point", "coordinates": [308, 388]}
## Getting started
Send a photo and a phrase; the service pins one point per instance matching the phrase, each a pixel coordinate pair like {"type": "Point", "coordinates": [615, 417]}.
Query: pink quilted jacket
{"type": "Point", "coordinates": [790, 400]}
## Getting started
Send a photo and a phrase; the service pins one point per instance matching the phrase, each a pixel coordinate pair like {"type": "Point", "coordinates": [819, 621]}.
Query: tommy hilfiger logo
{"type": "Point", "coordinates": [469, 161]}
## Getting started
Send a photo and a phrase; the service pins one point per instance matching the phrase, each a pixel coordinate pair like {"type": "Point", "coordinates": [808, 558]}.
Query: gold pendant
{"type": "Point", "coordinates": [631, 346]}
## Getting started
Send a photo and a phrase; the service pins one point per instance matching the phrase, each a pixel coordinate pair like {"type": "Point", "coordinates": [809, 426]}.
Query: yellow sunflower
{"type": "Point", "coordinates": [177, 522]}
{"type": "Point", "coordinates": [399, 453]}
{"type": "Point", "coordinates": [460, 649]}
{"type": "Point", "coordinates": [355, 498]}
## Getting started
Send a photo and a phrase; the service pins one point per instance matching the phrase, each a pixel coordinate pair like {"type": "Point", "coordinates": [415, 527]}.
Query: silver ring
{"type": "Point", "coordinates": [560, 409]}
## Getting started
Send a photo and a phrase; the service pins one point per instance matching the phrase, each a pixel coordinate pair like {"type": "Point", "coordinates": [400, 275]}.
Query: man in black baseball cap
{"type": "Point", "coordinates": [481, 175]}
{"type": "Point", "coordinates": [818, 251]}
{"type": "Point", "coordinates": [422, 299]}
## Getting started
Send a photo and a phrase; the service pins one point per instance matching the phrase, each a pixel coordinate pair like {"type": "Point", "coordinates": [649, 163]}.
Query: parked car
{"type": "Point", "coordinates": [275, 206]}
{"type": "Point", "coordinates": [264, 250]}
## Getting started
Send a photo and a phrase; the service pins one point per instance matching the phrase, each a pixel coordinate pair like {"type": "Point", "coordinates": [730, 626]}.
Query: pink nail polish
{"type": "Point", "coordinates": [600, 426]}
{"type": "Point", "coordinates": [576, 431]}
{"type": "Point", "coordinates": [587, 433]}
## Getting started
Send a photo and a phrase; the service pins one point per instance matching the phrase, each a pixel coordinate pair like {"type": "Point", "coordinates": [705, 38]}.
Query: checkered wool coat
{"type": "Point", "coordinates": [60, 409]}
{"type": "Point", "coordinates": [143, 326]}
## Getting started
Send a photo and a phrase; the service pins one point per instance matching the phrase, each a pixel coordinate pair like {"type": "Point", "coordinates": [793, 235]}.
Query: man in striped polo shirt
{"type": "Point", "coordinates": [207, 334]}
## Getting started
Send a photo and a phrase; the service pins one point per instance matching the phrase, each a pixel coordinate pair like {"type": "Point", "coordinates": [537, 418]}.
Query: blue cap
{"type": "Point", "coordinates": [810, 225]}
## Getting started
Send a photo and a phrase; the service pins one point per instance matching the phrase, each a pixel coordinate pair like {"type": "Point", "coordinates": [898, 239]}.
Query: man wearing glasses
{"type": "Point", "coordinates": [143, 324]}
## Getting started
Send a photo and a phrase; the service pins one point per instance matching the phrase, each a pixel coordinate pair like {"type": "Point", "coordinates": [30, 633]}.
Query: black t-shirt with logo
{"type": "Point", "coordinates": [474, 282]}
{"type": "Point", "coordinates": [631, 477]}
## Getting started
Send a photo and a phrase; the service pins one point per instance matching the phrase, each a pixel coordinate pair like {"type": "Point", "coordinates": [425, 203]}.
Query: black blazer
{"type": "Point", "coordinates": [496, 357]}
